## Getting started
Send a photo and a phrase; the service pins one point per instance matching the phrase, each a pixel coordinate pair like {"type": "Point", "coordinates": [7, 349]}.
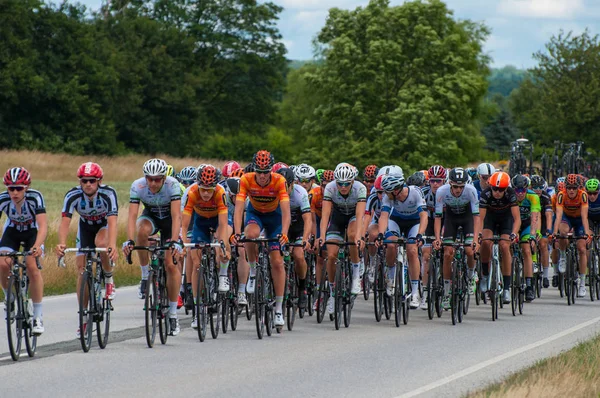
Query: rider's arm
{"type": "Point", "coordinates": [131, 222]}
{"type": "Point", "coordinates": [326, 213]}
{"type": "Point", "coordinates": [437, 227]}
{"type": "Point", "coordinates": [559, 214]}
{"type": "Point", "coordinates": [480, 219]}
{"type": "Point", "coordinates": [424, 219]}
{"type": "Point", "coordinates": [42, 222]}
{"type": "Point", "coordinates": [176, 218]}
{"type": "Point", "coordinates": [222, 230]}
{"type": "Point", "coordinates": [286, 217]}
{"type": "Point", "coordinates": [308, 226]}
{"type": "Point", "coordinates": [360, 212]}
{"type": "Point", "coordinates": [63, 230]}
{"type": "Point", "coordinates": [112, 231]}
{"type": "Point", "coordinates": [584, 219]}
{"type": "Point", "coordinates": [516, 214]}
{"type": "Point", "coordinates": [366, 222]}
{"type": "Point", "coordinates": [185, 224]}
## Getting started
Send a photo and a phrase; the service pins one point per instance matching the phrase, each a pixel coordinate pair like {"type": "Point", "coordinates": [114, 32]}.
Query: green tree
{"type": "Point", "coordinates": [504, 80]}
{"type": "Point", "coordinates": [400, 84]}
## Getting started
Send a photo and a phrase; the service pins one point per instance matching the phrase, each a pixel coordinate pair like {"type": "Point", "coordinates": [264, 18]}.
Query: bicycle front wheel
{"type": "Point", "coordinates": [259, 302]}
{"type": "Point", "coordinates": [103, 308]}
{"type": "Point", "coordinates": [87, 311]}
{"type": "Point", "coordinates": [150, 309]}
{"type": "Point", "coordinates": [339, 286]}
{"type": "Point", "coordinates": [162, 307]}
{"type": "Point", "coordinates": [14, 318]}
{"type": "Point", "coordinates": [201, 306]}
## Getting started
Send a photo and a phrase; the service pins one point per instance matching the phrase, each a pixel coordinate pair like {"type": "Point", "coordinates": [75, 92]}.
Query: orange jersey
{"type": "Point", "coordinates": [263, 199]}
{"type": "Point", "coordinates": [216, 205]}
{"type": "Point", "coordinates": [553, 200]}
{"type": "Point", "coordinates": [572, 207]}
{"type": "Point", "coordinates": [316, 200]}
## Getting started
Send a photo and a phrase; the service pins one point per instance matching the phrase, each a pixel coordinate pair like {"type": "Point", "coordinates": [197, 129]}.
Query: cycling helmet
{"type": "Point", "coordinates": [538, 182]}
{"type": "Point", "coordinates": [592, 185]}
{"type": "Point", "coordinates": [17, 176]}
{"type": "Point", "coordinates": [469, 180]}
{"type": "Point", "coordinates": [249, 168]}
{"type": "Point", "coordinates": [472, 172]}
{"type": "Point", "coordinates": [90, 169]}
{"type": "Point", "coordinates": [233, 186]}
{"type": "Point", "coordinates": [370, 172]}
{"type": "Point", "coordinates": [328, 176]}
{"type": "Point", "coordinates": [485, 169]}
{"type": "Point", "coordinates": [417, 178]}
{"type": "Point", "coordinates": [561, 186]}
{"type": "Point", "coordinates": [378, 182]}
{"type": "Point", "coordinates": [458, 175]}
{"type": "Point", "coordinates": [293, 168]}
{"type": "Point", "coordinates": [572, 179]}
{"type": "Point", "coordinates": [263, 161]}
{"type": "Point", "coordinates": [390, 183]}
{"type": "Point", "coordinates": [188, 173]}
{"type": "Point", "coordinates": [344, 172]}
{"type": "Point", "coordinates": [425, 174]}
{"type": "Point", "coordinates": [561, 179]}
{"type": "Point", "coordinates": [305, 172]}
{"type": "Point", "coordinates": [499, 179]}
{"type": "Point", "coordinates": [170, 171]}
{"type": "Point", "coordinates": [207, 176]}
{"type": "Point", "coordinates": [288, 174]}
{"type": "Point", "coordinates": [437, 171]}
{"type": "Point", "coordinates": [279, 165]}
{"type": "Point", "coordinates": [237, 173]}
{"type": "Point", "coordinates": [319, 175]}
{"type": "Point", "coordinates": [520, 182]}
{"type": "Point", "coordinates": [391, 170]}
{"type": "Point", "coordinates": [230, 167]}
{"type": "Point", "coordinates": [155, 167]}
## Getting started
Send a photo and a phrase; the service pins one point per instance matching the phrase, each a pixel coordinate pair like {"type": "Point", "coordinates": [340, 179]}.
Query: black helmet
{"type": "Point", "coordinates": [233, 185]}
{"type": "Point", "coordinates": [288, 174]}
{"type": "Point", "coordinates": [538, 181]}
{"type": "Point", "coordinates": [417, 178]}
{"type": "Point", "coordinates": [519, 182]}
{"type": "Point", "coordinates": [249, 168]}
{"type": "Point", "coordinates": [458, 175]}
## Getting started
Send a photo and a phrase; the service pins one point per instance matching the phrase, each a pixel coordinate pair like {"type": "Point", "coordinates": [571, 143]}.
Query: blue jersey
{"type": "Point", "coordinates": [477, 186]}
{"type": "Point", "coordinates": [594, 209]}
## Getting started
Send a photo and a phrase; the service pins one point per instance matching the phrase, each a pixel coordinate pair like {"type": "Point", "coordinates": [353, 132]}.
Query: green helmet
{"type": "Point", "coordinates": [319, 175]}
{"type": "Point", "coordinates": [170, 171]}
{"type": "Point", "coordinates": [592, 185]}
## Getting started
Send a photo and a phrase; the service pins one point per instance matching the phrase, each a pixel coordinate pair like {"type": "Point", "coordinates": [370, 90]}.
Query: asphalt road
{"type": "Point", "coordinates": [424, 358]}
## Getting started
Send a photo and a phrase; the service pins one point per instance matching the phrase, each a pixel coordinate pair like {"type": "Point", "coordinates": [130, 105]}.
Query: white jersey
{"type": "Point", "coordinates": [299, 203]}
{"type": "Point", "coordinates": [158, 204]}
{"type": "Point", "coordinates": [467, 202]}
{"type": "Point", "coordinates": [94, 210]}
{"type": "Point", "coordinates": [24, 218]}
{"type": "Point", "coordinates": [345, 204]}
{"type": "Point", "coordinates": [409, 209]}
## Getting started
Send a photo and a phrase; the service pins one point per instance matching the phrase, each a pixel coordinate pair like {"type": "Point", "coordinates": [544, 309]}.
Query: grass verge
{"type": "Point", "coordinates": [571, 374]}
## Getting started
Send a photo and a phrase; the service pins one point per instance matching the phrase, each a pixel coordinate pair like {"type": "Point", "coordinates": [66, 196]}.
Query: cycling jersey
{"type": "Point", "coordinates": [466, 203]}
{"type": "Point", "coordinates": [211, 208]}
{"type": "Point", "coordinates": [530, 204]}
{"type": "Point", "coordinates": [22, 219]}
{"type": "Point", "coordinates": [345, 205]}
{"type": "Point", "coordinates": [477, 186]}
{"type": "Point", "coordinates": [572, 207]}
{"type": "Point", "coordinates": [263, 199]}
{"type": "Point", "coordinates": [373, 207]}
{"type": "Point", "coordinates": [594, 209]}
{"type": "Point", "coordinates": [316, 200]}
{"type": "Point", "coordinates": [546, 206]}
{"type": "Point", "coordinates": [408, 209]}
{"type": "Point", "coordinates": [157, 204]}
{"type": "Point", "coordinates": [502, 205]}
{"type": "Point", "coordinates": [94, 210]}
{"type": "Point", "coordinates": [299, 203]}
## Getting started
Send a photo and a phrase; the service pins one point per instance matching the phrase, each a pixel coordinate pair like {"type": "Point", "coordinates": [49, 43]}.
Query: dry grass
{"type": "Point", "coordinates": [54, 175]}
{"type": "Point", "coordinates": [571, 374]}
{"type": "Point", "coordinates": [63, 167]}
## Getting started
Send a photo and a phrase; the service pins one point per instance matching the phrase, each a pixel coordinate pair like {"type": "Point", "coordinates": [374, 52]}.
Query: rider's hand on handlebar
{"type": "Point", "coordinates": [127, 247]}
{"type": "Point", "coordinates": [60, 250]}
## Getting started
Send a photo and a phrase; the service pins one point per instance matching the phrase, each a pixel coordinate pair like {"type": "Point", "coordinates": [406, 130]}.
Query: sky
{"type": "Point", "coordinates": [519, 28]}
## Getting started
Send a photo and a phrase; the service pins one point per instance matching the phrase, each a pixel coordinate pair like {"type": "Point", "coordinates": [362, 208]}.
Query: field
{"type": "Point", "coordinates": [54, 175]}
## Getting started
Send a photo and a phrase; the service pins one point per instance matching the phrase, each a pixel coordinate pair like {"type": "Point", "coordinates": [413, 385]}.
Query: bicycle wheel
{"type": "Point", "coordinates": [234, 310]}
{"type": "Point", "coordinates": [150, 309]}
{"type": "Point", "coordinates": [250, 306]}
{"type": "Point", "coordinates": [86, 311]}
{"type": "Point", "coordinates": [398, 297]}
{"type": "Point", "coordinates": [162, 306]}
{"type": "Point", "coordinates": [366, 284]}
{"type": "Point", "coordinates": [514, 295]}
{"type": "Point", "coordinates": [259, 302]}
{"type": "Point", "coordinates": [454, 296]}
{"type": "Point", "coordinates": [225, 300]}
{"type": "Point", "coordinates": [201, 305]}
{"type": "Point", "coordinates": [378, 291]}
{"type": "Point", "coordinates": [339, 286]}
{"type": "Point", "coordinates": [561, 284]}
{"type": "Point", "coordinates": [322, 297]}
{"type": "Point", "coordinates": [348, 302]}
{"type": "Point", "coordinates": [439, 291]}
{"type": "Point", "coordinates": [215, 311]}
{"type": "Point", "coordinates": [103, 307]}
{"type": "Point", "coordinates": [30, 338]}
{"type": "Point", "coordinates": [14, 318]}
{"type": "Point", "coordinates": [521, 286]}
{"type": "Point", "coordinates": [479, 273]}
{"type": "Point", "coordinates": [569, 280]}
{"type": "Point", "coordinates": [461, 293]}
{"type": "Point", "coordinates": [431, 290]}
{"type": "Point", "coordinates": [269, 303]}
{"type": "Point", "coordinates": [290, 312]}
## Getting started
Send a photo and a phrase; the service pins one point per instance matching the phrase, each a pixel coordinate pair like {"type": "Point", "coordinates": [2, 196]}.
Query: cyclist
{"type": "Point", "coordinates": [369, 175]}
{"type": "Point", "coordinates": [437, 176]}
{"type": "Point", "coordinates": [417, 179]}
{"type": "Point", "coordinates": [268, 209]}
{"type": "Point", "coordinates": [207, 201]}
{"type": "Point", "coordinates": [484, 172]}
{"type": "Point", "coordinates": [161, 197]}
{"type": "Point", "coordinates": [344, 202]}
{"type": "Point", "coordinates": [499, 211]}
{"type": "Point", "coordinates": [171, 171]}
{"type": "Point", "coordinates": [98, 209]}
{"type": "Point", "coordinates": [560, 187]}
{"type": "Point", "coordinates": [403, 213]}
{"type": "Point", "coordinates": [529, 208]}
{"type": "Point", "coordinates": [572, 213]}
{"type": "Point", "coordinates": [459, 203]}
{"type": "Point", "coordinates": [229, 168]}
{"type": "Point", "coordinates": [186, 177]}
{"type": "Point", "coordinates": [306, 175]}
{"type": "Point", "coordinates": [370, 224]}
{"type": "Point", "coordinates": [472, 172]}
{"type": "Point", "coordinates": [539, 186]}
{"type": "Point", "coordinates": [300, 227]}
{"type": "Point", "coordinates": [591, 188]}
{"type": "Point", "coordinates": [27, 222]}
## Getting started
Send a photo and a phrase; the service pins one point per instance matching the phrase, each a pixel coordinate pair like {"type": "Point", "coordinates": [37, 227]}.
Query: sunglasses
{"type": "Point", "coordinates": [369, 181]}
{"type": "Point", "coordinates": [572, 188]}
{"type": "Point", "coordinates": [206, 190]}
{"type": "Point", "coordinates": [520, 190]}
{"type": "Point", "coordinates": [305, 180]}
{"type": "Point", "coordinates": [343, 184]}
{"type": "Point", "coordinates": [484, 177]}
{"type": "Point", "coordinates": [18, 189]}
{"type": "Point", "coordinates": [496, 189]}
{"type": "Point", "coordinates": [537, 188]}
{"type": "Point", "coordinates": [155, 179]}
{"type": "Point", "coordinates": [593, 193]}
{"type": "Point", "coordinates": [262, 171]}
{"type": "Point", "coordinates": [88, 180]}
{"type": "Point", "coordinates": [436, 180]}
{"type": "Point", "coordinates": [457, 186]}
{"type": "Point", "coordinates": [187, 182]}
{"type": "Point", "coordinates": [379, 192]}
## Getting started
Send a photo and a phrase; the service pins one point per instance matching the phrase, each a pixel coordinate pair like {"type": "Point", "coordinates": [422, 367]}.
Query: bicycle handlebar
{"type": "Point", "coordinates": [198, 246]}
{"type": "Point", "coordinates": [15, 254]}
{"type": "Point", "coordinates": [152, 249]}
{"type": "Point", "coordinates": [61, 260]}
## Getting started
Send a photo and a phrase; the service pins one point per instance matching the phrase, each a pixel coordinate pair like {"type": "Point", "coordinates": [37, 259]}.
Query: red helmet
{"type": "Point", "coordinates": [370, 172]}
{"type": "Point", "coordinates": [437, 171]}
{"type": "Point", "coordinates": [17, 176]}
{"type": "Point", "coordinates": [561, 186]}
{"type": "Point", "coordinates": [328, 176]}
{"type": "Point", "coordinates": [237, 173]}
{"type": "Point", "coordinates": [378, 183]}
{"type": "Point", "coordinates": [263, 160]}
{"type": "Point", "coordinates": [229, 168]}
{"type": "Point", "coordinates": [90, 169]}
{"type": "Point", "coordinates": [500, 179]}
{"type": "Point", "coordinates": [207, 176]}
{"type": "Point", "coordinates": [279, 165]}
{"type": "Point", "coordinates": [572, 180]}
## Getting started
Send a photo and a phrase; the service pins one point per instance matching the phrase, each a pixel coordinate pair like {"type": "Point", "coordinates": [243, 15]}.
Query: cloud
{"type": "Point", "coordinates": [553, 9]}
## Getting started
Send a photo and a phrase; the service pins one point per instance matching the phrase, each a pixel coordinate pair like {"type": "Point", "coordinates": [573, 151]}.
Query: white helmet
{"type": "Point", "coordinates": [390, 182]}
{"type": "Point", "coordinates": [188, 173]}
{"type": "Point", "coordinates": [391, 170]}
{"type": "Point", "coordinates": [344, 172]}
{"type": "Point", "coordinates": [305, 172]}
{"type": "Point", "coordinates": [155, 167]}
{"type": "Point", "coordinates": [485, 169]}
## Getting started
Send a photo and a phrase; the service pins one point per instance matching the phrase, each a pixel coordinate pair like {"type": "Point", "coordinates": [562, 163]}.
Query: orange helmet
{"type": "Point", "coordinates": [328, 176]}
{"type": "Point", "coordinates": [426, 174]}
{"type": "Point", "coordinates": [263, 161]}
{"type": "Point", "coordinates": [370, 172]}
{"type": "Point", "coordinates": [499, 179]}
{"type": "Point", "coordinates": [237, 173]}
{"type": "Point", "coordinates": [561, 186]}
{"type": "Point", "coordinates": [207, 176]}
{"type": "Point", "coordinates": [572, 180]}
